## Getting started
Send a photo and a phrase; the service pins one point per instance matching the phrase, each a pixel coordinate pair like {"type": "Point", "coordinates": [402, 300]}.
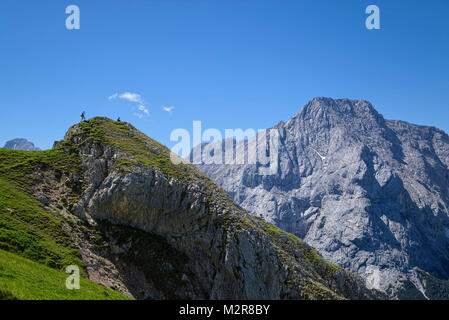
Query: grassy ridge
{"type": "Point", "coordinates": [18, 166]}
{"type": "Point", "coordinates": [141, 149]}
{"type": "Point", "coordinates": [23, 279]}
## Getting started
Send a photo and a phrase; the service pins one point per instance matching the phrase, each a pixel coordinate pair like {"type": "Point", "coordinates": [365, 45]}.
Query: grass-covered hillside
{"type": "Point", "coordinates": [36, 248]}
{"type": "Point", "coordinates": [24, 279]}
{"type": "Point", "coordinates": [37, 192]}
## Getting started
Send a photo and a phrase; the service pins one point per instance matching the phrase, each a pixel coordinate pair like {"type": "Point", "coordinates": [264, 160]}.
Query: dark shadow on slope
{"type": "Point", "coordinates": [393, 202]}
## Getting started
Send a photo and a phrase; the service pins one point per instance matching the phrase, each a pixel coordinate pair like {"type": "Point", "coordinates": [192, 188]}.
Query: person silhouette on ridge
{"type": "Point", "coordinates": [83, 116]}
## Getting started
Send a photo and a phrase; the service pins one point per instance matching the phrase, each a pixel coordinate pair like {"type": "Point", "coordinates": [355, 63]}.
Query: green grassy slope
{"type": "Point", "coordinates": [32, 232]}
{"type": "Point", "coordinates": [23, 279]}
{"type": "Point", "coordinates": [39, 247]}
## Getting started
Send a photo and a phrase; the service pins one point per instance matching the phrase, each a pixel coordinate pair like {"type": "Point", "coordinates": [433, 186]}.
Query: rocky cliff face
{"type": "Point", "coordinates": [20, 144]}
{"type": "Point", "coordinates": [179, 234]}
{"type": "Point", "coordinates": [371, 195]}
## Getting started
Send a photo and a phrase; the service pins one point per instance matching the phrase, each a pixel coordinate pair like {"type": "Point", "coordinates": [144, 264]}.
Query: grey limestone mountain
{"type": "Point", "coordinates": [20, 144]}
{"type": "Point", "coordinates": [370, 194]}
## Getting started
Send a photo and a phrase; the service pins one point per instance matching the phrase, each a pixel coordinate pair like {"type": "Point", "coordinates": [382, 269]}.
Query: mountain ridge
{"type": "Point", "coordinates": [340, 160]}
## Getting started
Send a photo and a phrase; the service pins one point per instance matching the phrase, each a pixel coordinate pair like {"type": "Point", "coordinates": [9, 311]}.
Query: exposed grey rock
{"type": "Point", "coordinates": [20, 144]}
{"type": "Point", "coordinates": [370, 194]}
{"type": "Point", "coordinates": [43, 199]}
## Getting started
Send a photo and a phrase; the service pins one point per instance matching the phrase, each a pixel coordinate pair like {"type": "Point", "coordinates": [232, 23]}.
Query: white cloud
{"type": "Point", "coordinates": [144, 110]}
{"type": "Point", "coordinates": [114, 96]}
{"type": "Point", "coordinates": [168, 109]}
{"type": "Point", "coordinates": [132, 97]}
{"type": "Point", "coordinates": [135, 98]}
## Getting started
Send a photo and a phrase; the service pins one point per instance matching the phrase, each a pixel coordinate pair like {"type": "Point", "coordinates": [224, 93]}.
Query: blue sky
{"type": "Point", "coordinates": [231, 64]}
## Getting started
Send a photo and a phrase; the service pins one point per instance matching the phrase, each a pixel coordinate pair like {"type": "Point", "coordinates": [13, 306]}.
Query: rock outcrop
{"type": "Point", "coordinates": [370, 194]}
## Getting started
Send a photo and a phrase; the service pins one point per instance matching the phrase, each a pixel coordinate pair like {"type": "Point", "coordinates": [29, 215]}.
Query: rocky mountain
{"type": "Point", "coordinates": [21, 144]}
{"type": "Point", "coordinates": [108, 199]}
{"type": "Point", "coordinates": [370, 194]}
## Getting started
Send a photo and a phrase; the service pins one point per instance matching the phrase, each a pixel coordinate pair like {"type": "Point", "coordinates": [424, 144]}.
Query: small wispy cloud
{"type": "Point", "coordinates": [114, 96]}
{"type": "Point", "coordinates": [168, 109]}
{"type": "Point", "coordinates": [132, 97]}
{"type": "Point", "coordinates": [144, 109]}
{"type": "Point", "coordinates": [135, 98]}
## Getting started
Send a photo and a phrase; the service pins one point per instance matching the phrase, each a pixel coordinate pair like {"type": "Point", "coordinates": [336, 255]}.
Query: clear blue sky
{"type": "Point", "coordinates": [231, 64]}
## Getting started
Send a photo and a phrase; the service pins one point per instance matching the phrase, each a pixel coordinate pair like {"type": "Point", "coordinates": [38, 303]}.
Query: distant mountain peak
{"type": "Point", "coordinates": [21, 144]}
{"type": "Point", "coordinates": [343, 106]}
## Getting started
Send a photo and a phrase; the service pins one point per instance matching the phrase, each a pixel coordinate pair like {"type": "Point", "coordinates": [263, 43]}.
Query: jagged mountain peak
{"type": "Point", "coordinates": [337, 112]}
{"type": "Point", "coordinates": [369, 193]}
{"type": "Point", "coordinates": [343, 106]}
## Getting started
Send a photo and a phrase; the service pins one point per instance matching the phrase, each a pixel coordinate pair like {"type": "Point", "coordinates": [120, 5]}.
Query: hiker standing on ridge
{"type": "Point", "coordinates": [118, 120]}
{"type": "Point", "coordinates": [83, 116]}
